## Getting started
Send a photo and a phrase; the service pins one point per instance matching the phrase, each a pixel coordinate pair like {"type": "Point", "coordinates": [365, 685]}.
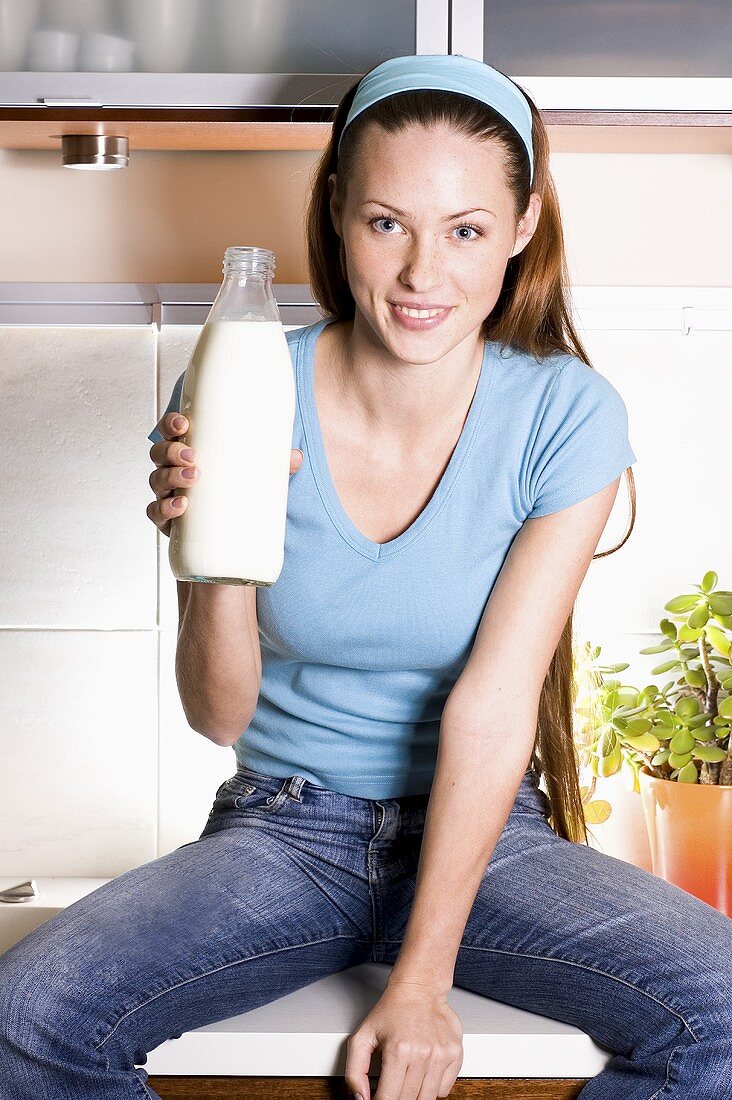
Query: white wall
{"type": "Point", "coordinates": [645, 219]}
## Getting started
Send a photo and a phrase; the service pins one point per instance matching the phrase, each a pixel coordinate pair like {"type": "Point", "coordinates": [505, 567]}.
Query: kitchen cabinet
{"type": "Point", "coordinates": [204, 53]}
{"type": "Point", "coordinates": [608, 38]}
{"type": "Point", "coordinates": [607, 75]}
{"type": "Point", "coordinates": [605, 55]}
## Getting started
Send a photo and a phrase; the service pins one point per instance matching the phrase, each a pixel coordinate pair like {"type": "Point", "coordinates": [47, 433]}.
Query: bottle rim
{"type": "Point", "coordinates": [249, 260]}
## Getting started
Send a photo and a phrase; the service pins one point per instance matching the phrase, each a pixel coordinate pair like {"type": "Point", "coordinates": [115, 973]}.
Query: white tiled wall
{"type": "Point", "coordinates": [99, 770]}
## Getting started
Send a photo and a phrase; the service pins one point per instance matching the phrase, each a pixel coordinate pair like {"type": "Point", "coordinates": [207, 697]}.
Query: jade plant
{"type": "Point", "coordinates": [679, 732]}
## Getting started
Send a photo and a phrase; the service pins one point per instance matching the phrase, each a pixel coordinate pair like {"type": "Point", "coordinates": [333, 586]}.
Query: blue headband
{"type": "Point", "coordinates": [449, 73]}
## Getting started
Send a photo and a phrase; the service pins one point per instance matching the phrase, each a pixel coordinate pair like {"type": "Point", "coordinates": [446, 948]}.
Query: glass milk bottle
{"type": "Point", "coordinates": [239, 397]}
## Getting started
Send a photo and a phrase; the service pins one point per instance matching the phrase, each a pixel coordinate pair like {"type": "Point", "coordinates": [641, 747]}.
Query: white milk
{"type": "Point", "coordinates": [239, 396]}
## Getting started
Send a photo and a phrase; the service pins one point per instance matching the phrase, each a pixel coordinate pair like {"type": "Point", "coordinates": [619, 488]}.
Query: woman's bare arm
{"type": "Point", "coordinates": [488, 729]}
{"type": "Point", "coordinates": [218, 663]}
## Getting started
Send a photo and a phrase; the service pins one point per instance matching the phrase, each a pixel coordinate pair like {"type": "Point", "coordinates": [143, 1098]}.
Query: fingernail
{"type": "Point", "coordinates": [187, 454]}
{"type": "Point", "coordinates": [179, 423]}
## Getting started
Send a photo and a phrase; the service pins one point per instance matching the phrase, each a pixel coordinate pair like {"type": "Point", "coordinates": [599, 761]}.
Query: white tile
{"type": "Point", "coordinates": [78, 784]}
{"type": "Point", "coordinates": [677, 390]}
{"type": "Point", "coordinates": [191, 766]}
{"type": "Point", "coordinates": [77, 549]}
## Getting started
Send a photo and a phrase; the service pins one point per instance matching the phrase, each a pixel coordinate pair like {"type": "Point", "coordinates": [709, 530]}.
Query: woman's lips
{"type": "Point", "coordinates": [418, 324]}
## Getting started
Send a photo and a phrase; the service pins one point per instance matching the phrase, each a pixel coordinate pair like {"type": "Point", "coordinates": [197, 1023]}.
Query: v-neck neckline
{"type": "Point", "coordinates": [319, 461]}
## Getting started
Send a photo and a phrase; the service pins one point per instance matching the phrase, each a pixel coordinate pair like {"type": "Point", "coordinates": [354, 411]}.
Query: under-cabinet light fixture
{"type": "Point", "coordinates": [95, 151]}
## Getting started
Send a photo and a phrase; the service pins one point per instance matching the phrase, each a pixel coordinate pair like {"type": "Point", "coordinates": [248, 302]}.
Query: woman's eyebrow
{"type": "Point", "coordinates": [449, 218]}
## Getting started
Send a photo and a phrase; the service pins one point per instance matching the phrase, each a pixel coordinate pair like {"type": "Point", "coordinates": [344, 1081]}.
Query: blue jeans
{"type": "Point", "coordinates": [289, 882]}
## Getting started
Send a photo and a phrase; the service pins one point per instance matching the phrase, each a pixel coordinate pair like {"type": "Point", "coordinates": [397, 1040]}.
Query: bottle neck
{"type": "Point", "coordinates": [248, 259]}
{"type": "Point", "coordinates": [244, 296]}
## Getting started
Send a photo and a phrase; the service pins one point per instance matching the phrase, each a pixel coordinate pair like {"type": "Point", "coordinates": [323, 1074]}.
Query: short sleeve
{"type": "Point", "coordinates": [173, 406]}
{"type": "Point", "coordinates": [582, 442]}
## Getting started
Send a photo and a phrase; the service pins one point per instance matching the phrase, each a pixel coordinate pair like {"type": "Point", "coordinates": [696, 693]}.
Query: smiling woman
{"type": "Point", "coordinates": [413, 293]}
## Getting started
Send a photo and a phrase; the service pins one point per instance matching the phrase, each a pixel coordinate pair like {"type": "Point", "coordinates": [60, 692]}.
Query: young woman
{"type": "Point", "coordinates": [394, 699]}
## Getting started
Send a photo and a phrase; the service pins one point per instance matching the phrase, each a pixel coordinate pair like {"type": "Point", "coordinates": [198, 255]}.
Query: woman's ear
{"type": "Point", "coordinates": [335, 207]}
{"type": "Point", "coordinates": [527, 224]}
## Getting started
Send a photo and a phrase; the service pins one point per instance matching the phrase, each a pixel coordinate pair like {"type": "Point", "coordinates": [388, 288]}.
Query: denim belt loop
{"type": "Point", "coordinates": [294, 785]}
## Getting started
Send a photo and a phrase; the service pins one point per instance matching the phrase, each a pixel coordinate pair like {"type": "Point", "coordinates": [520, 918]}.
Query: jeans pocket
{"type": "Point", "coordinates": [231, 795]}
{"type": "Point", "coordinates": [239, 784]}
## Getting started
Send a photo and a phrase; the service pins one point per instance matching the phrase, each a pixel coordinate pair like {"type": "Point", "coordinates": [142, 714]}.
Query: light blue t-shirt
{"type": "Point", "coordinates": [361, 643]}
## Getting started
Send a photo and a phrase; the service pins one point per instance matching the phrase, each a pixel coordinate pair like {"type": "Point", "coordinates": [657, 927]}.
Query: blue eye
{"type": "Point", "coordinates": [382, 219]}
{"type": "Point", "coordinates": [466, 225]}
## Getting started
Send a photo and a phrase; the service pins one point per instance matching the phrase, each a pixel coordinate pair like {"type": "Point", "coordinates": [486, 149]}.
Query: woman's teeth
{"type": "Point", "coordinates": [419, 312]}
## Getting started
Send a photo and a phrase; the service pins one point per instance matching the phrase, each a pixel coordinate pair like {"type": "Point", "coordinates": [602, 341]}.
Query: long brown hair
{"type": "Point", "coordinates": [532, 314]}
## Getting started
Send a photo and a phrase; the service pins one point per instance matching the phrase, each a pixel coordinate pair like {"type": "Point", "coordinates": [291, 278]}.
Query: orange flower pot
{"type": "Point", "coordinates": [690, 836]}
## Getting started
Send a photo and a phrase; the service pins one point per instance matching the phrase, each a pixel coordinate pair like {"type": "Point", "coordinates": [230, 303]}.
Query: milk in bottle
{"type": "Point", "coordinates": [239, 397]}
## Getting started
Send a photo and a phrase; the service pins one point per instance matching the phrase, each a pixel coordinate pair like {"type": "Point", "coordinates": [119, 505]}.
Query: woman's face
{"type": "Point", "coordinates": [403, 244]}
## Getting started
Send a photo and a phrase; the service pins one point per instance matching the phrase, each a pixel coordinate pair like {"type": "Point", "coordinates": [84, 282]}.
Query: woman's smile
{"type": "Point", "coordinates": [419, 323]}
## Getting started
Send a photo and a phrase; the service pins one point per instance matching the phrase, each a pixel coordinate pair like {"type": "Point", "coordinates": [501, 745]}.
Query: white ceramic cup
{"type": "Point", "coordinates": [17, 20]}
{"type": "Point", "coordinates": [79, 15]}
{"type": "Point", "coordinates": [52, 51]}
{"type": "Point", "coordinates": [104, 53]}
{"type": "Point", "coordinates": [163, 31]}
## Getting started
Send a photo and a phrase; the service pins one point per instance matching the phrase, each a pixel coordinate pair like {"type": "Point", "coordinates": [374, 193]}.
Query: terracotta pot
{"type": "Point", "coordinates": [690, 836]}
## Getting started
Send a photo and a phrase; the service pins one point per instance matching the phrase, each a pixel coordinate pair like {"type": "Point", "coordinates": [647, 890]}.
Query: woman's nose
{"type": "Point", "coordinates": [422, 266]}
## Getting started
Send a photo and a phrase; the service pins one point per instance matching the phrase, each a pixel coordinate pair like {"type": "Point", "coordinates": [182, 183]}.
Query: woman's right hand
{"type": "Point", "coordinates": [170, 465]}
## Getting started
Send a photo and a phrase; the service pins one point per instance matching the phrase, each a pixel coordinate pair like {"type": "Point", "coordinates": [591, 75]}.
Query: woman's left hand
{"type": "Point", "coordinates": [421, 1043]}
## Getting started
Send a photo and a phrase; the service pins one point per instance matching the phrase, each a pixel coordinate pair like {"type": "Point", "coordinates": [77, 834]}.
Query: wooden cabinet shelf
{"type": "Point", "coordinates": [284, 128]}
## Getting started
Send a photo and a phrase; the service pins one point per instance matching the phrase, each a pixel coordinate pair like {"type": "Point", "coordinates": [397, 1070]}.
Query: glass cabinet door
{"type": "Point", "coordinates": [605, 55]}
{"type": "Point", "coordinates": [300, 54]}
{"type": "Point", "coordinates": [658, 38]}
{"type": "Point", "coordinates": [204, 52]}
